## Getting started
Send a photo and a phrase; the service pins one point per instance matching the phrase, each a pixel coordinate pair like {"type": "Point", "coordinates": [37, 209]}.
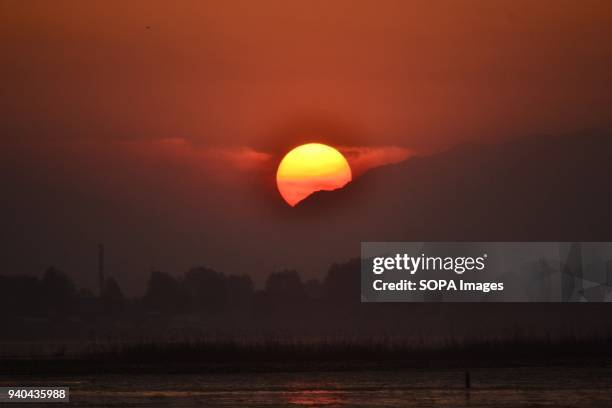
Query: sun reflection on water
{"type": "Point", "coordinates": [315, 398]}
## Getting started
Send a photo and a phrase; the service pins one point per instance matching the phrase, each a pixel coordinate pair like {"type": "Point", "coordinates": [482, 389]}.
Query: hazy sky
{"type": "Point", "coordinates": [419, 74]}
{"type": "Point", "coordinates": [150, 125]}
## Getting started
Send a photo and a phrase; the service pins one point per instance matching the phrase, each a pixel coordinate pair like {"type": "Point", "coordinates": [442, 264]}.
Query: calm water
{"type": "Point", "coordinates": [505, 387]}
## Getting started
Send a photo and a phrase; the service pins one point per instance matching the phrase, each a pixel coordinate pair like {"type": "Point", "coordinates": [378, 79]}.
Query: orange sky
{"type": "Point", "coordinates": [268, 74]}
{"type": "Point", "coordinates": [168, 136]}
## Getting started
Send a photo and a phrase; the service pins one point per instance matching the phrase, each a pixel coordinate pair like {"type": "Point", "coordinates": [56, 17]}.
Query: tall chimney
{"type": "Point", "coordinates": [101, 267]}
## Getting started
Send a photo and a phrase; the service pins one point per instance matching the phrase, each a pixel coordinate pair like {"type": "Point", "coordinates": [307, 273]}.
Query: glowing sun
{"type": "Point", "coordinates": [309, 168]}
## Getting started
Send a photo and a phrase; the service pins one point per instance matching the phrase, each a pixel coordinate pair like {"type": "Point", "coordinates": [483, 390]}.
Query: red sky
{"type": "Point", "coordinates": [417, 74]}
{"type": "Point", "coordinates": [185, 107]}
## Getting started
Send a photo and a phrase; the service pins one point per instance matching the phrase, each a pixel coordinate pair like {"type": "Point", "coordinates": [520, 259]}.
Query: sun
{"type": "Point", "coordinates": [311, 167]}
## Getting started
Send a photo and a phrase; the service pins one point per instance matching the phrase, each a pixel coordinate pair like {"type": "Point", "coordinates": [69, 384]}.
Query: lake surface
{"type": "Point", "coordinates": [491, 387]}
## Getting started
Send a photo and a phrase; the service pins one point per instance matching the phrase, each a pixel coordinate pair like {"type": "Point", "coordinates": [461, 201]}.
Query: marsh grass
{"type": "Point", "coordinates": [381, 350]}
{"type": "Point", "coordinates": [217, 355]}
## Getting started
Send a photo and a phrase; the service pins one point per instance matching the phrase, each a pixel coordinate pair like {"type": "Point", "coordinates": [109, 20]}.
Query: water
{"type": "Point", "coordinates": [491, 387]}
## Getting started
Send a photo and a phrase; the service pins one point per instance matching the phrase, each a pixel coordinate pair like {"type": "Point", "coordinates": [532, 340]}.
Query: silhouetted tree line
{"type": "Point", "coordinates": [206, 303]}
{"type": "Point", "coordinates": [202, 300]}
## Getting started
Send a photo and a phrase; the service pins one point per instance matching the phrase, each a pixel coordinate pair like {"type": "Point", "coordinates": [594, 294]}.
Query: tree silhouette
{"type": "Point", "coordinates": [164, 293]}
{"type": "Point", "coordinates": [18, 295]}
{"type": "Point", "coordinates": [59, 292]}
{"type": "Point", "coordinates": [113, 300]}
{"type": "Point", "coordinates": [285, 285]}
{"type": "Point", "coordinates": [206, 289]}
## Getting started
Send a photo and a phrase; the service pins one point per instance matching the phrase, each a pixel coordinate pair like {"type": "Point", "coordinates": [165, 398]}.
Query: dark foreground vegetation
{"type": "Point", "coordinates": [205, 304]}
{"type": "Point", "coordinates": [208, 356]}
{"type": "Point", "coordinates": [213, 356]}
{"type": "Point", "coordinates": [200, 302]}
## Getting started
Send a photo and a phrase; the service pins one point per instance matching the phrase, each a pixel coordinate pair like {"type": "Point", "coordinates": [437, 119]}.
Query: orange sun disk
{"type": "Point", "coordinates": [311, 167]}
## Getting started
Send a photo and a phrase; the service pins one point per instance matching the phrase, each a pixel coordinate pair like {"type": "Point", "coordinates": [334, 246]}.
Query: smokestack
{"type": "Point", "coordinates": [101, 267]}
